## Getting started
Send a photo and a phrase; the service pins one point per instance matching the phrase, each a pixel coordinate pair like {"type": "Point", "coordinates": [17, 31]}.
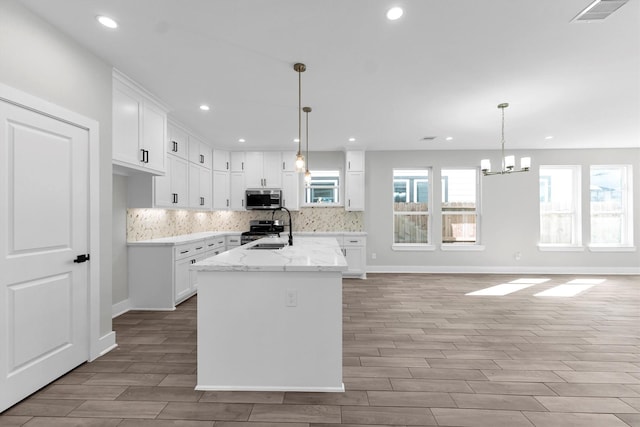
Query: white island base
{"type": "Point", "coordinates": [270, 330]}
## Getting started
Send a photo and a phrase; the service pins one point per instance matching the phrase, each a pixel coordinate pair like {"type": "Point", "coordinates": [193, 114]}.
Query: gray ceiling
{"type": "Point", "coordinates": [440, 70]}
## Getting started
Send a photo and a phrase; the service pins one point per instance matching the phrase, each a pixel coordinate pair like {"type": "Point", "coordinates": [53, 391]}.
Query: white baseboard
{"type": "Point", "coordinates": [501, 270]}
{"type": "Point", "coordinates": [120, 308]}
{"type": "Point", "coordinates": [105, 344]}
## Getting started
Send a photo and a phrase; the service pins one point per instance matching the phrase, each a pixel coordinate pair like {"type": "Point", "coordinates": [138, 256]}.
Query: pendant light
{"type": "Point", "coordinates": [307, 174]}
{"type": "Point", "coordinates": [299, 68]}
{"type": "Point", "coordinates": [508, 162]}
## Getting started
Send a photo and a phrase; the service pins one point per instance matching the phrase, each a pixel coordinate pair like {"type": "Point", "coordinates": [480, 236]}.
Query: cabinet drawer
{"type": "Point", "coordinates": [189, 250]}
{"type": "Point", "coordinates": [354, 241]}
{"type": "Point", "coordinates": [233, 240]}
{"type": "Point", "coordinates": [215, 243]}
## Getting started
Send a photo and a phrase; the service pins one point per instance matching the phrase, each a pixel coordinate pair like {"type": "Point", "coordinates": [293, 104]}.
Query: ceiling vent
{"type": "Point", "coordinates": [599, 10]}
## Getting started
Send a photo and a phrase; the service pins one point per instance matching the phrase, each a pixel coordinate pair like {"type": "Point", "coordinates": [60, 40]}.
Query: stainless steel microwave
{"type": "Point", "coordinates": [263, 198]}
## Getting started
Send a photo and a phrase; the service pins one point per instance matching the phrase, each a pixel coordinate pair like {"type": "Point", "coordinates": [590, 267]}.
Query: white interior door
{"type": "Point", "coordinates": [44, 315]}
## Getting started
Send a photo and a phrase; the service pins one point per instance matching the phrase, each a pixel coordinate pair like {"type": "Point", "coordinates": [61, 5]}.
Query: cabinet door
{"type": "Point", "coordinates": [354, 191]}
{"type": "Point", "coordinates": [221, 160]}
{"type": "Point", "coordinates": [178, 142]}
{"type": "Point", "coordinates": [206, 194]}
{"type": "Point", "coordinates": [289, 161]}
{"type": "Point", "coordinates": [354, 257]}
{"type": "Point", "coordinates": [206, 156]}
{"type": "Point", "coordinates": [272, 169]}
{"type": "Point", "coordinates": [199, 187]}
{"type": "Point", "coordinates": [237, 161]}
{"type": "Point", "coordinates": [182, 283]}
{"type": "Point", "coordinates": [236, 193]}
{"type": "Point", "coordinates": [355, 161]}
{"type": "Point", "coordinates": [291, 190]}
{"type": "Point", "coordinates": [253, 166]}
{"type": "Point", "coordinates": [162, 186]}
{"type": "Point", "coordinates": [154, 136]}
{"type": "Point", "coordinates": [127, 111]}
{"type": "Point", "coordinates": [221, 190]}
{"type": "Point", "coordinates": [179, 182]}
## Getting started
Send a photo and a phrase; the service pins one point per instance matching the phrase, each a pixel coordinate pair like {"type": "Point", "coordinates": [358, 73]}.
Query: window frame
{"type": "Point", "coordinates": [306, 188]}
{"type": "Point", "coordinates": [411, 195]}
{"type": "Point", "coordinates": [576, 212]}
{"type": "Point", "coordinates": [445, 185]}
{"type": "Point", "coordinates": [626, 212]}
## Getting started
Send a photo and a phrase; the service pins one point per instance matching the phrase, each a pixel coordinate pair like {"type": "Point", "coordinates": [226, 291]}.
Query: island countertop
{"type": "Point", "coordinates": [306, 254]}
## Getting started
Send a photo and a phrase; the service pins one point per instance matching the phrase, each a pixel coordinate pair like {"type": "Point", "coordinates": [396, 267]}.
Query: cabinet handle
{"type": "Point", "coordinates": [353, 241]}
{"type": "Point", "coordinates": [142, 154]}
{"type": "Point", "coordinates": [201, 201]}
{"type": "Point", "coordinates": [242, 165]}
{"type": "Point", "coordinates": [184, 252]}
{"type": "Point", "coordinates": [175, 197]}
{"type": "Point", "coordinates": [193, 261]}
{"type": "Point", "coordinates": [227, 165]}
{"type": "Point", "coordinates": [227, 202]}
{"type": "Point", "coordinates": [349, 167]}
{"type": "Point", "coordinates": [145, 156]}
{"type": "Point", "coordinates": [201, 158]}
{"type": "Point", "coordinates": [211, 244]}
{"type": "Point", "coordinates": [198, 248]}
{"type": "Point", "coordinates": [242, 202]}
{"type": "Point", "coordinates": [283, 166]}
{"type": "Point", "coordinates": [175, 146]}
{"type": "Point", "coordinates": [349, 202]}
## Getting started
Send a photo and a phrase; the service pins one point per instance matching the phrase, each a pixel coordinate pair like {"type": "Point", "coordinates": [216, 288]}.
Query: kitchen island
{"type": "Point", "coordinates": [271, 319]}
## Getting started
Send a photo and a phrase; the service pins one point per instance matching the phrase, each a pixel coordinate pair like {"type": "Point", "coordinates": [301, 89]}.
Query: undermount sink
{"type": "Point", "coordinates": [271, 245]}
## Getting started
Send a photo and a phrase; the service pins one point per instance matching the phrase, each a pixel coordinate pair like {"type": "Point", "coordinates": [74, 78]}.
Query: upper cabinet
{"type": "Point", "coordinates": [237, 161]}
{"type": "Point", "coordinates": [221, 160]}
{"type": "Point", "coordinates": [355, 161]}
{"type": "Point", "coordinates": [289, 161]}
{"type": "Point", "coordinates": [263, 169]}
{"type": "Point", "coordinates": [354, 181]}
{"type": "Point", "coordinates": [139, 127]}
{"type": "Point", "coordinates": [200, 152]}
{"type": "Point", "coordinates": [178, 142]}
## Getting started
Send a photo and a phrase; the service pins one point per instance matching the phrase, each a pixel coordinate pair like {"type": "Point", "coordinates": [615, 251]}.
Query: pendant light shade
{"type": "Point", "coordinates": [307, 174]}
{"type": "Point", "coordinates": [299, 68]}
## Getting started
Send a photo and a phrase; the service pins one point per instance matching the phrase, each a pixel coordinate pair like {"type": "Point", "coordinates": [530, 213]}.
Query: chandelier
{"type": "Point", "coordinates": [508, 162]}
{"type": "Point", "coordinates": [299, 68]}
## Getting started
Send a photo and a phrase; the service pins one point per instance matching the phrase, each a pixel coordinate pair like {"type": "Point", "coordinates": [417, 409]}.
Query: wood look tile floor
{"type": "Point", "coordinates": [417, 351]}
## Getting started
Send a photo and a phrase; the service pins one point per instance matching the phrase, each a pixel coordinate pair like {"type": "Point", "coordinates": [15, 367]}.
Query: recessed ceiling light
{"type": "Point", "coordinates": [241, 140]}
{"type": "Point", "coordinates": [107, 22]}
{"type": "Point", "coordinates": [204, 107]}
{"type": "Point", "coordinates": [394, 13]}
{"type": "Point", "coordinates": [548, 137]}
{"type": "Point", "coordinates": [352, 140]}
{"type": "Point", "coordinates": [296, 140]}
{"type": "Point", "coordinates": [449, 138]}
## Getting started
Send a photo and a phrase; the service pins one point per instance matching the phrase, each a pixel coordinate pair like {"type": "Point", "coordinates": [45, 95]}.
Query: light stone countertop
{"type": "Point", "coordinates": [188, 238]}
{"type": "Point", "coordinates": [306, 254]}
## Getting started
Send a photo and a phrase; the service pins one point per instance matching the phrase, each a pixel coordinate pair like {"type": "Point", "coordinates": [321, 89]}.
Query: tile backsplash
{"type": "Point", "coordinates": [144, 224]}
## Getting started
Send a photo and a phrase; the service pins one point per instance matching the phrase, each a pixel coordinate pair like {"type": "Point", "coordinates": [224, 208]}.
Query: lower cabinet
{"type": "Point", "coordinates": [159, 272]}
{"type": "Point", "coordinates": [354, 250]}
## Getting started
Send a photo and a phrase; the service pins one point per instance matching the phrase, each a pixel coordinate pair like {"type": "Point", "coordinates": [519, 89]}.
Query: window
{"type": "Point", "coordinates": [324, 188]}
{"type": "Point", "coordinates": [559, 205]}
{"type": "Point", "coordinates": [610, 188]}
{"type": "Point", "coordinates": [411, 222]}
{"type": "Point", "coordinates": [459, 205]}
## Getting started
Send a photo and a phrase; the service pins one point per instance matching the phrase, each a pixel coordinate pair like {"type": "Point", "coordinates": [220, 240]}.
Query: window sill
{"type": "Point", "coordinates": [560, 248]}
{"type": "Point", "coordinates": [415, 247]}
{"type": "Point", "coordinates": [603, 248]}
{"type": "Point", "coordinates": [453, 247]}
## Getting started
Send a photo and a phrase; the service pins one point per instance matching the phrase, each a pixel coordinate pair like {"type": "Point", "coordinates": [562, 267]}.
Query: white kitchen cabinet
{"type": "Point", "coordinates": [354, 249]}
{"type": "Point", "coordinates": [233, 241]}
{"type": "Point", "coordinates": [237, 161]}
{"type": "Point", "coordinates": [291, 190]}
{"type": "Point", "coordinates": [221, 161]}
{"type": "Point", "coordinates": [289, 161]}
{"type": "Point", "coordinates": [263, 169]}
{"type": "Point", "coordinates": [236, 193]}
{"type": "Point", "coordinates": [200, 196]}
{"type": "Point", "coordinates": [139, 128]}
{"type": "Point", "coordinates": [221, 199]}
{"type": "Point", "coordinates": [178, 142]}
{"type": "Point", "coordinates": [200, 152]}
{"type": "Point", "coordinates": [172, 189]}
{"type": "Point", "coordinates": [354, 161]}
{"type": "Point", "coordinates": [354, 191]}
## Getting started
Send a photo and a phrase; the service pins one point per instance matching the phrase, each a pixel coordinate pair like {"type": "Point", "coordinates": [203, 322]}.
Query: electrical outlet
{"type": "Point", "coordinates": [517, 256]}
{"type": "Point", "coordinates": [291, 298]}
{"type": "Point", "coordinates": [373, 255]}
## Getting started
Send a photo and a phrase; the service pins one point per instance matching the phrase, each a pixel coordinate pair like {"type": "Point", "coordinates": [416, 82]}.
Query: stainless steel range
{"type": "Point", "coordinates": [261, 228]}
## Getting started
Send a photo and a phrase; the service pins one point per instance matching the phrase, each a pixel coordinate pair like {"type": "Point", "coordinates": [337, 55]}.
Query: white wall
{"type": "Point", "coordinates": [39, 60]}
{"type": "Point", "coordinates": [509, 219]}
